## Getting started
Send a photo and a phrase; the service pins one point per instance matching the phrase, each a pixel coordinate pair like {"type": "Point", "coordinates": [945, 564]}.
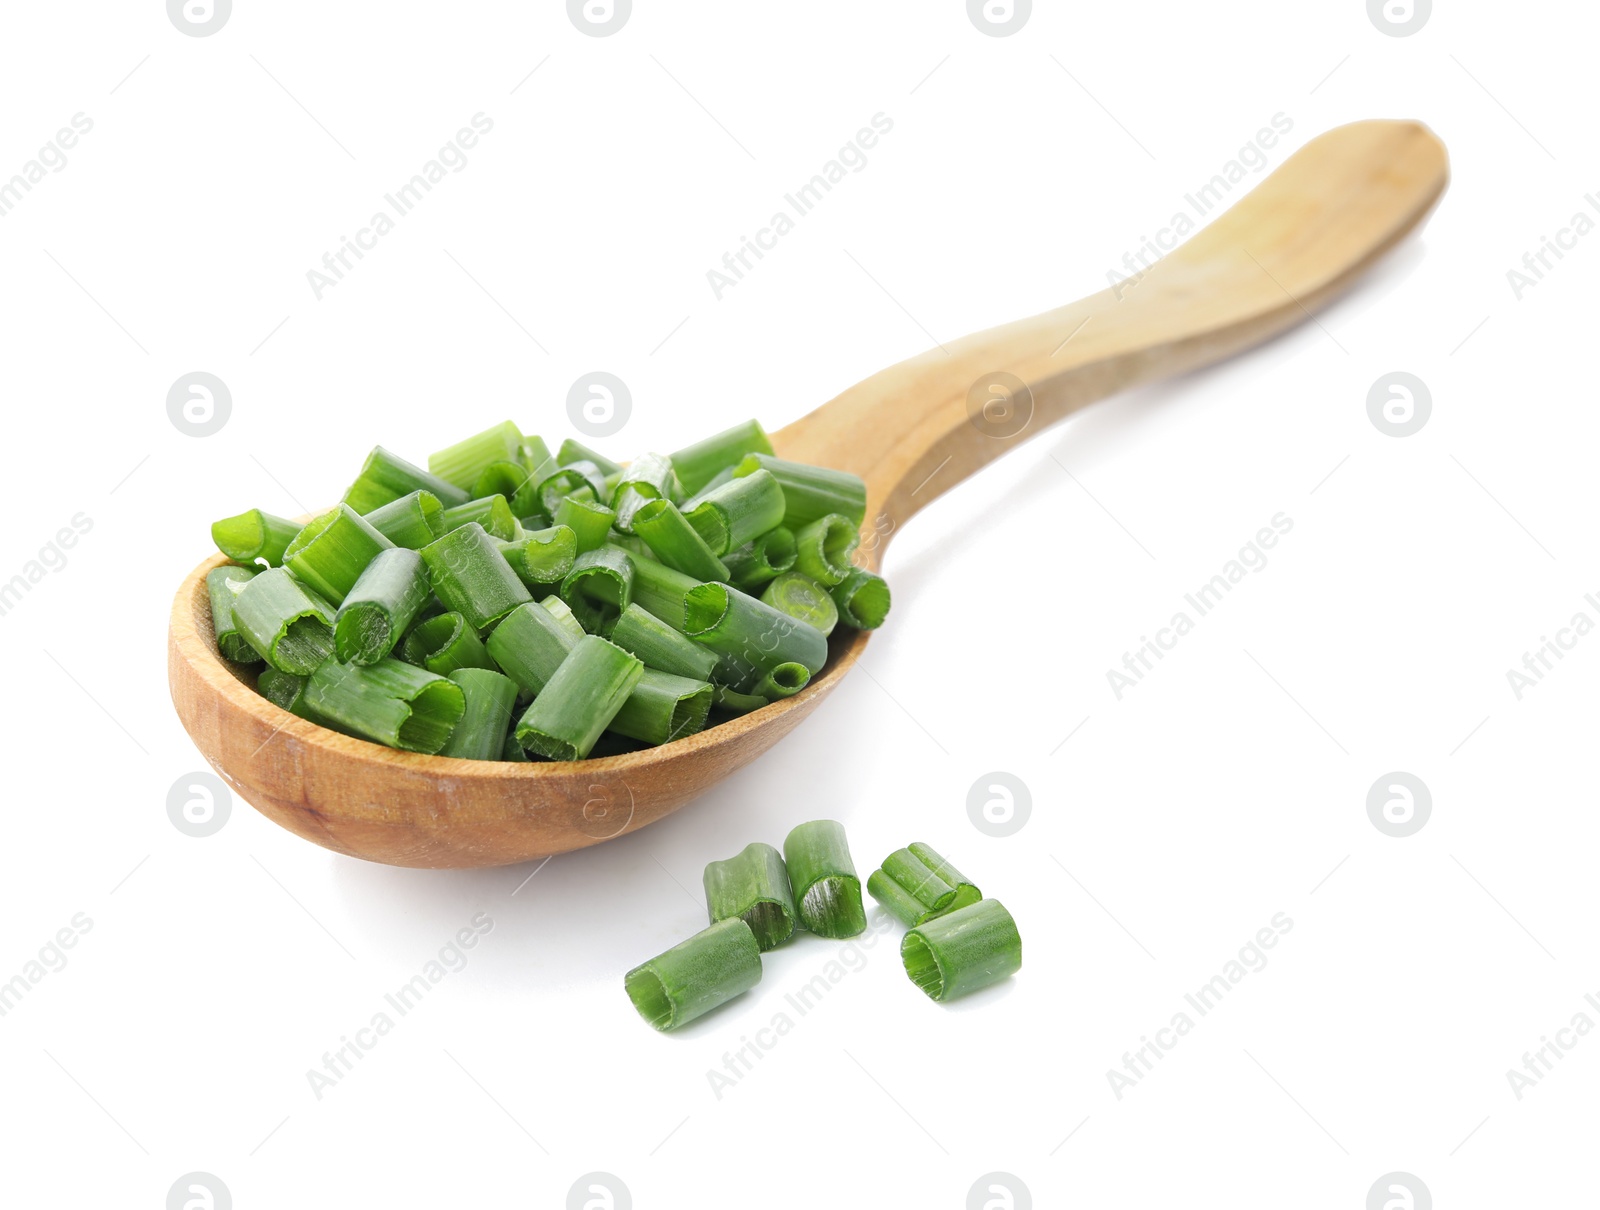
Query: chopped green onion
{"type": "Point", "coordinates": [575, 451]}
{"type": "Point", "coordinates": [799, 596]}
{"type": "Point", "coordinates": [287, 624]}
{"type": "Point", "coordinates": [223, 586]}
{"type": "Point", "coordinates": [580, 700]}
{"type": "Point", "coordinates": [384, 477]}
{"type": "Point", "coordinates": [750, 638]}
{"type": "Point", "coordinates": [660, 646]}
{"type": "Point", "coordinates": [916, 884]}
{"type": "Point", "coordinates": [562, 613]}
{"type": "Point", "coordinates": [493, 513]}
{"type": "Point", "coordinates": [511, 480]}
{"type": "Point", "coordinates": [390, 702]}
{"type": "Point", "coordinates": [588, 520]}
{"type": "Point", "coordinates": [811, 492]}
{"type": "Point", "coordinates": [753, 886]}
{"type": "Point", "coordinates": [481, 733]}
{"type": "Point", "coordinates": [963, 951]}
{"type": "Point", "coordinates": [533, 453]}
{"type": "Point", "coordinates": [445, 643]}
{"type": "Point", "coordinates": [529, 645]}
{"type": "Point", "coordinates": [785, 680]}
{"type": "Point", "coordinates": [663, 707]}
{"type": "Point", "coordinates": [381, 606]}
{"type": "Point", "coordinates": [824, 880]}
{"type": "Point", "coordinates": [412, 521]}
{"type": "Point", "coordinates": [661, 591]}
{"type": "Point", "coordinates": [647, 477]}
{"type": "Point", "coordinates": [695, 976]}
{"type": "Point", "coordinates": [463, 462]}
{"type": "Point", "coordinates": [675, 542]}
{"type": "Point", "coordinates": [729, 516]}
{"type": "Point", "coordinates": [284, 690]}
{"type": "Point", "coordinates": [696, 465]}
{"type": "Point", "coordinates": [564, 481]}
{"type": "Point", "coordinates": [330, 553]}
{"type": "Point", "coordinates": [690, 503]}
{"type": "Point", "coordinates": [734, 703]}
{"type": "Point", "coordinates": [254, 535]}
{"type": "Point", "coordinates": [825, 547]}
{"type": "Point", "coordinates": [599, 586]}
{"type": "Point", "coordinates": [760, 559]}
{"type": "Point", "coordinates": [862, 599]}
{"type": "Point", "coordinates": [472, 577]}
{"type": "Point", "coordinates": [543, 557]}
{"type": "Point", "coordinates": [514, 751]}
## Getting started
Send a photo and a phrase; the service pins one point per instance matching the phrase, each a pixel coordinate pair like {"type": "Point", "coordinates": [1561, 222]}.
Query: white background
{"type": "Point", "coordinates": [1229, 786]}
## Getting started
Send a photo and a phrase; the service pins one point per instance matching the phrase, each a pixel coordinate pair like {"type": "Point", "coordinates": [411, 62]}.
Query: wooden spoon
{"type": "Point", "coordinates": [912, 432]}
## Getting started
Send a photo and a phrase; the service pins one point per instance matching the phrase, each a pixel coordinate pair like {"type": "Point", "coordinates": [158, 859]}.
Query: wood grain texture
{"type": "Point", "coordinates": [1301, 237]}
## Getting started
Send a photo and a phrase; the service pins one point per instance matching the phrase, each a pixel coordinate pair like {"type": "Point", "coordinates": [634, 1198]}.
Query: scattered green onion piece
{"type": "Point", "coordinates": [660, 646]}
{"type": "Point", "coordinates": [759, 560]}
{"type": "Point", "coordinates": [648, 477]}
{"type": "Point", "coordinates": [580, 700]}
{"type": "Point", "coordinates": [412, 521]}
{"type": "Point", "coordinates": [753, 886]}
{"type": "Point", "coordinates": [799, 596]}
{"type": "Point", "coordinates": [811, 492]}
{"type": "Point", "coordinates": [695, 976]}
{"type": "Point", "coordinates": [785, 680]}
{"type": "Point", "coordinates": [564, 481]}
{"type": "Point", "coordinates": [750, 638]}
{"type": "Point", "coordinates": [696, 465]}
{"type": "Point", "coordinates": [390, 702]}
{"type": "Point", "coordinates": [381, 606]}
{"type": "Point", "coordinates": [223, 586]}
{"type": "Point", "coordinates": [511, 480]}
{"type": "Point", "coordinates": [542, 558]}
{"type": "Point", "coordinates": [490, 701]}
{"type": "Point", "coordinates": [331, 552]}
{"type": "Point", "coordinates": [288, 624]}
{"type": "Point", "coordinates": [254, 535]}
{"type": "Point", "coordinates": [385, 477]}
{"type": "Point", "coordinates": [493, 513]}
{"type": "Point", "coordinates": [529, 645]}
{"type": "Point", "coordinates": [463, 462]}
{"type": "Point", "coordinates": [735, 703]}
{"type": "Point", "coordinates": [823, 878]}
{"type": "Point", "coordinates": [284, 690]}
{"type": "Point", "coordinates": [661, 591]}
{"type": "Point", "coordinates": [741, 509]}
{"type": "Point", "coordinates": [562, 612]}
{"type": "Point", "coordinates": [533, 453]}
{"type": "Point", "coordinates": [916, 884]}
{"type": "Point", "coordinates": [690, 503]}
{"type": "Point", "coordinates": [862, 599]}
{"type": "Point", "coordinates": [599, 586]}
{"type": "Point", "coordinates": [664, 707]}
{"type": "Point", "coordinates": [445, 643]}
{"type": "Point", "coordinates": [472, 577]}
{"type": "Point", "coordinates": [963, 951]}
{"type": "Point", "coordinates": [825, 547]}
{"type": "Point", "coordinates": [675, 542]}
{"type": "Point", "coordinates": [575, 451]}
{"type": "Point", "coordinates": [588, 520]}
{"type": "Point", "coordinates": [513, 751]}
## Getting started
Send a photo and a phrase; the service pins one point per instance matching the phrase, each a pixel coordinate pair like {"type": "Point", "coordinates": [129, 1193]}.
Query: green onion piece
{"type": "Point", "coordinates": [390, 702]}
{"type": "Point", "coordinates": [785, 680]}
{"type": "Point", "coordinates": [381, 606]}
{"type": "Point", "coordinates": [695, 976]}
{"type": "Point", "coordinates": [741, 509]}
{"type": "Point", "coordinates": [490, 701]}
{"type": "Point", "coordinates": [463, 462]}
{"type": "Point", "coordinates": [564, 481]}
{"type": "Point", "coordinates": [648, 477]}
{"type": "Point", "coordinates": [284, 690]}
{"type": "Point", "coordinates": [385, 477]}
{"type": "Point", "coordinates": [754, 887]}
{"type": "Point", "coordinates": [862, 599]}
{"type": "Point", "coordinates": [575, 451]}
{"type": "Point", "coordinates": [330, 553]}
{"type": "Point", "coordinates": [916, 884]}
{"type": "Point", "coordinates": [562, 613]}
{"type": "Point", "coordinates": [734, 703]}
{"type": "Point", "coordinates": [663, 707]}
{"type": "Point", "coordinates": [412, 521]}
{"type": "Point", "coordinates": [963, 950]}
{"type": "Point", "coordinates": [223, 586]}
{"type": "Point", "coordinates": [543, 557]}
{"type": "Point", "coordinates": [825, 547]}
{"type": "Point", "coordinates": [529, 645]}
{"type": "Point", "coordinates": [823, 878]}
{"type": "Point", "coordinates": [799, 596]}
{"type": "Point", "coordinates": [580, 700]}
{"type": "Point", "coordinates": [511, 480]}
{"type": "Point", "coordinates": [472, 577]}
{"type": "Point", "coordinates": [513, 751]}
{"type": "Point", "coordinates": [445, 643]}
{"type": "Point", "coordinates": [660, 646]}
{"type": "Point", "coordinates": [690, 503]}
{"type": "Point", "coordinates": [696, 465]}
{"type": "Point", "coordinates": [661, 591]}
{"type": "Point", "coordinates": [289, 626]}
{"type": "Point", "coordinates": [588, 520]}
{"type": "Point", "coordinates": [675, 542]}
{"type": "Point", "coordinates": [493, 513]}
{"type": "Point", "coordinates": [533, 453]}
{"type": "Point", "coordinates": [254, 535]}
{"type": "Point", "coordinates": [599, 586]}
{"type": "Point", "coordinates": [759, 560]}
{"type": "Point", "coordinates": [750, 638]}
{"type": "Point", "coordinates": [811, 492]}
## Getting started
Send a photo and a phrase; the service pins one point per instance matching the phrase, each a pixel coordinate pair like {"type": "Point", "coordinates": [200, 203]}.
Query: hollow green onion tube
{"type": "Point", "coordinates": [385, 477]}
{"type": "Point", "coordinates": [599, 586]}
{"type": "Point", "coordinates": [663, 707]}
{"type": "Point", "coordinates": [445, 643]}
{"type": "Point", "coordinates": [580, 700]}
{"type": "Point", "coordinates": [511, 480]}
{"type": "Point", "coordinates": [741, 509]}
{"type": "Point", "coordinates": [284, 690]}
{"type": "Point", "coordinates": [753, 886]}
{"type": "Point", "coordinates": [823, 879]}
{"type": "Point", "coordinates": [648, 477]}
{"type": "Point", "coordinates": [564, 481]}
{"type": "Point", "coordinates": [390, 702]}
{"type": "Point", "coordinates": [493, 513]}
{"type": "Point", "coordinates": [514, 751]}
{"type": "Point", "coordinates": [254, 535]}
{"type": "Point", "coordinates": [563, 614]}
{"type": "Point", "coordinates": [660, 646]}
{"type": "Point", "coordinates": [659, 590]}
{"type": "Point", "coordinates": [529, 645]}
{"type": "Point", "coordinates": [690, 503]}
{"type": "Point", "coordinates": [490, 704]}
{"type": "Point", "coordinates": [696, 465]}
{"type": "Point", "coordinates": [330, 553]}
{"type": "Point", "coordinates": [533, 453]}
{"type": "Point", "coordinates": [734, 703]}
{"type": "Point", "coordinates": [824, 548]}
{"type": "Point", "coordinates": [287, 624]}
{"type": "Point", "coordinates": [810, 492]}
{"type": "Point", "coordinates": [381, 606]}
{"type": "Point", "coordinates": [675, 542]}
{"type": "Point", "coordinates": [575, 451]}
{"type": "Point", "coordinates": [588, 520]}
{"type": "Point", "coordinates": [472, 577]}
{"type": "Point", "coordinates": [749, 637]}
{"type": "Point", "coordinates": [916, 884]}
{"type": "Point", "coordinates": [759, 560]}
{"type": "Point", "coordinates": [799, 596]}
{"type": "Point", "coordinates": [862, 599]}
{"type": "Point", "coordinates": [223, 586]}
{"type": "Point", "coordinates": [412, 521]}
{"type": "Point", "coordinates": [963, 951]}
{"type": "Point", "coordinates": [785, 680]}
{"type": "Point", "coordinates": [542, 558]}
{"type": "Point", "coordinates": [695, 976]}
{"type": "Point", "coordinates": [463, 462]}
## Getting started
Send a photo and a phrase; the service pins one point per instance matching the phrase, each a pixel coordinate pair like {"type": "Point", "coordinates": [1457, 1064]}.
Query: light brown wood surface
{"type": "Point", "coordinates": [1296, 241]}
